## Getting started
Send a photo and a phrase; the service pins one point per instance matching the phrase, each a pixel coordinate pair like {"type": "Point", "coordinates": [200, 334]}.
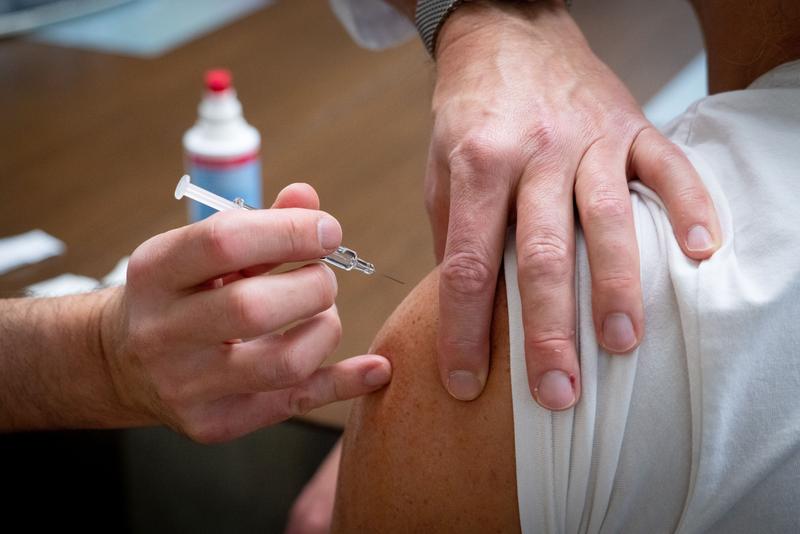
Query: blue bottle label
{"type": "Point", "coordinates": [231, 180]}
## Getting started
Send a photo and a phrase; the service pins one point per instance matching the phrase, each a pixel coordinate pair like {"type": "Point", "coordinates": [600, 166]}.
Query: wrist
{"type": "Point", "coordinates": [109, 323]}
{"type": "Point", "coordinates": [104, 327]}
{"type": "Point", "coordinates": [545, 22]}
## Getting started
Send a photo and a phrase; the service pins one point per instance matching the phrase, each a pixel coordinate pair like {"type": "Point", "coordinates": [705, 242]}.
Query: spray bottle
{"type": "Point", "coordinates": [221, 149]}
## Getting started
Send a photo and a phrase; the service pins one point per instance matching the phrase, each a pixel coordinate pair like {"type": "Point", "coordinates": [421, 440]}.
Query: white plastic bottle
{"type": "Point", "coordinates": [221, 149]}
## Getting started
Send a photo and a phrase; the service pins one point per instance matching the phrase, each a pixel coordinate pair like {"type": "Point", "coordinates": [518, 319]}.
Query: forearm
{"type": "Point", "coordinates": [53, 372]}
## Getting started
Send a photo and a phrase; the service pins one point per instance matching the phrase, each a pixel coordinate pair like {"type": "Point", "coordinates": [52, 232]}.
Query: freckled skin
{"type": "Point", "coordinates": [415, 459]}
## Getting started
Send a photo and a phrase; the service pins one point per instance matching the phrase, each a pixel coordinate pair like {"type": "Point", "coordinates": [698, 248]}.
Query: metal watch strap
{"type": "Point", "coordinates": [430, 17]}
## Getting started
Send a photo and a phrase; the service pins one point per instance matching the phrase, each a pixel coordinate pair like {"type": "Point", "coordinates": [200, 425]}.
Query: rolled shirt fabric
{"type": "Point", "coordinates": [373, 24]}
{"type": "Point", "coordinates": [697, 430]}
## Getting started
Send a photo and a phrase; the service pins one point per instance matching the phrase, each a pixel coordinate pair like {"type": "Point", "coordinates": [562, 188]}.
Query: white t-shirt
{"type": "Point", "coordinates": [699, 429]}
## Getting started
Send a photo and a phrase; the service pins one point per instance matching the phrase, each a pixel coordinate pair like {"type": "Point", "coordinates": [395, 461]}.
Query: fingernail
{"type": "Point", "coordinates": [329, 233]}
{"type": "Point", "coordinates": [377, 376]}
{"type": "Point", "coordinates": [699, 239]}
{"type": "Point", "coordinates": [554, 390]}
{"type": "Point", "coordinates": [618, 333]}
{"type": "Point", "coordinates": [463, 385]}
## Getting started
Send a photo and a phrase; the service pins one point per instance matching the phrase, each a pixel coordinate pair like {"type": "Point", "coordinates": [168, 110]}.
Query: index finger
{"type": "Point", "coordinates": [235, 240]}
{"type": "Point", "coordinates": [475, 240]}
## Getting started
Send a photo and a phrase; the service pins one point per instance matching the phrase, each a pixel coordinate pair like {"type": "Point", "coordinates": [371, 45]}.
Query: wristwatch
{"type": "Point", "coordinates": [430, 16]}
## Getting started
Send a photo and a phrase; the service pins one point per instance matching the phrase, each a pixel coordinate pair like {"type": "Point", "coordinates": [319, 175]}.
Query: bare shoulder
{"type": "Point", "coordinates": [415, 459]}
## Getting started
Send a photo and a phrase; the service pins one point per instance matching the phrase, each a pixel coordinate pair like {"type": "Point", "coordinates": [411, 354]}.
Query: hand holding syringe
{"type": "Point", "coordinates": [343, 258]}
{"type": "Point", "coordinates": [207, 338]}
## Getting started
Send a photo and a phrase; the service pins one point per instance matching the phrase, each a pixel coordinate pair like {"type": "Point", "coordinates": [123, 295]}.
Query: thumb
{"type": "Point", "coordinates": [344, 380]}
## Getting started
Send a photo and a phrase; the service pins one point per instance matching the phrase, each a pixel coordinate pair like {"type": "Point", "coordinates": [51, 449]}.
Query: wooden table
{"type": "Point", "coordinates": [90, 143]}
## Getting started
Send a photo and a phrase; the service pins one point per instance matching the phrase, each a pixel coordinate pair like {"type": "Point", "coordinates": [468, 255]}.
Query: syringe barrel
{"type": "Point", "coordinates": [343, 258]}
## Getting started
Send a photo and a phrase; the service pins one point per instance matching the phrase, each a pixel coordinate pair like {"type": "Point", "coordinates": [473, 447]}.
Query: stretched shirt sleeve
{"type": "Point", "coordinates": [373, 24]}
{"type": "Point", "coordinates": [703, 418]}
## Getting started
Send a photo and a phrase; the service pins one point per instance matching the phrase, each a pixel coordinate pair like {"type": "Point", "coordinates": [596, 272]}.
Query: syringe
{"type": "Point", "coordinates": [344, 258]}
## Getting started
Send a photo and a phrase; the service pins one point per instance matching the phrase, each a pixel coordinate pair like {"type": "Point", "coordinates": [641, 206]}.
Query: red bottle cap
{"type": "Point", "coordinates": [218, 80]}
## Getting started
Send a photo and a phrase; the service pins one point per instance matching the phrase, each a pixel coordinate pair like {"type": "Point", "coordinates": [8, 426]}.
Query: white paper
{"type": "Point", "coordinates": [27, 248]}
{"type": "Point", "coordinates": [118, 274]}
{"type": "Point", "coordinates": [65, 284]}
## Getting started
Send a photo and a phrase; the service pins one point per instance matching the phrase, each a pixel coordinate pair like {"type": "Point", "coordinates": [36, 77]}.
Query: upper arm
{"type": "Point", "coordinates": [414, 458]}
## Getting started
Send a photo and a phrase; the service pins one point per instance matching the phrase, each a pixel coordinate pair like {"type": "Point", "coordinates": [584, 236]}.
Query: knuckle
{"type": "Point", "coordinates": [467, 273]}
{"type": "Point", "coordinates": [694, 196]}
{"type": "Point", "coordinates": [639, 143]}
{"type": "Point", "coordinates": [324, 285]}
{"type": "Point", "coordinates": [603, 205]}
{"type": "Point", "coordinates": [216, 239]}
{"type": "Point", "coordinates": [146, 262]}
{"type": "Point", "coordinates": [292, 232]}
{"type": "Point", "coordinates": [208, 433]}
{"type": "Point", "coordinates": [480, 151]}
{"type": "Point", "coordinates": [243, 311]}
{"type": "Point", "coordinates": [332, 324]}
{"type": "Point", "coordinates": [549, 345]}
{"type": "Point", "coordinates": [543, 139]}
{"type": "Point", "coordinates": [615, 281]}
{"type": "Point", "coordinates": [669, 156]}
{"type": "Point", "coordinates": [546, 255]}
{"type": "Point", "coordinates": [138, 267]}
{"type": "Point", "coordinates": [290, 370]}
{"type": "Point", "coordinates": [301, 401]}
{"type": "Point", "coordinates": [461, 344]}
